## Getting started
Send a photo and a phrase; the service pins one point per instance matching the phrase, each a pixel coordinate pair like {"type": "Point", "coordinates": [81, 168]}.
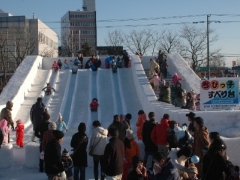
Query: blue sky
{"type": "Point", "coordinates": [51, 11]}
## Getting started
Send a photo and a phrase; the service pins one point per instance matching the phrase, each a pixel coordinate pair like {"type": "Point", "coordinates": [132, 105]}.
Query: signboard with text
{"type": "Point", "coordinates": [219, 94]}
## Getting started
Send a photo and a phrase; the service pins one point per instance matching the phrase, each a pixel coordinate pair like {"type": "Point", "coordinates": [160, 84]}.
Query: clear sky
{"type": "Point", "coordinates": [51, 11]}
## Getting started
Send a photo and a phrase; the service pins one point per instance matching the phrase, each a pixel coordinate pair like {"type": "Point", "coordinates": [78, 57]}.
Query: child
{"type": "Point", "coordinates": [141, 120]}
{"type": "Point", "coordinates": [19, 133]}
{"type": "Point", "coordinates": [61, 126]}
{"type": "Point", "coordinates": [156, 82]}
{"type": "Point", "coordinates": [193, 172]}
{"type": "Point", "coordinates": [74, 69]}
{"type": "Point", "coordinates": [94, 104]}
{"type": "Point", "coordinates": [67, 164]}
{"type": "Point", "coordinates": [55, 66]}
{"type": "Point", "coordinates": [59, 63]}
{"type": "Point", "coordinates": [48, 89]}
{"type": "Point", "coordinates": [5, 131]}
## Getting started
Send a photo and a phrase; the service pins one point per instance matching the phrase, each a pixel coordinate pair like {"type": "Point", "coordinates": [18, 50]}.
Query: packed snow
{"type": "Point", "coordinates": [126, 91]}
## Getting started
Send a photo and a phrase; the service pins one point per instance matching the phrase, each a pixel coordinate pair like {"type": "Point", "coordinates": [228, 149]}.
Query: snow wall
{"type": "Point", "coordinates": [225, 122]}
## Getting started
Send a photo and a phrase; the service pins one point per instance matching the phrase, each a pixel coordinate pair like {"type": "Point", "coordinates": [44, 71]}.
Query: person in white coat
{"type": "Point", "coordinates": [98, 142]}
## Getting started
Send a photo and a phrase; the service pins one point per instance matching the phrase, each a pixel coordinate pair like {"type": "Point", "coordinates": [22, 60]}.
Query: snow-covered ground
{"type": "Point", "coordinates": [126, 91]}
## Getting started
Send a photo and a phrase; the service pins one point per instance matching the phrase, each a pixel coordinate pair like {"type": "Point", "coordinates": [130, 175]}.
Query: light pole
{"type": "Point", "coordinates": [208, 65]}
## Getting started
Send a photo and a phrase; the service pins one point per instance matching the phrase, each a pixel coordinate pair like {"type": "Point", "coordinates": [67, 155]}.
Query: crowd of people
{"type": "Point", "coordinates": [184, 151]}
{"type": "Point", "coordinates": [170, 91]}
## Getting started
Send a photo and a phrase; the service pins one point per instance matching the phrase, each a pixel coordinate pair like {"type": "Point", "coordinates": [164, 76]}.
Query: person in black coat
{"type": "Point", "coordinates": [150, 147]}
{"type": "Point", "coordinates": [113, 155]}
{"type": "Point", "coordinates": [79, 144]}
{"type": "Point", "coordinates": [214, 162]}
{"type": "Point", "coordinates": [36, 114]}
{"type": "Point", "coordinates": [52, 156]}
{"type": "Point", "coordinates": [125, 58]}
{"type": "Point", "coordinates": [39, 131]}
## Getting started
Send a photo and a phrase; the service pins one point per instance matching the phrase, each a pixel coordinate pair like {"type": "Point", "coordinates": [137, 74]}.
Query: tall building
{"type": "Point", "coordinates": [79, 27]}
{"type": "Point", "coordinates": [21, 36]}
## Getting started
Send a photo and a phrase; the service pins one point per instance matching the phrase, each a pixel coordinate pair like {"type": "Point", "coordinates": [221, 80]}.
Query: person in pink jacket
{"type": "Point", "coordinates": [5, 130]}
{"type": "Point", "coordinates": [176, 78]}
{"type": "Point", "coordinates": [19, 133]}
{"type": "Point", "coordinates": [141, 120]}
{"type": "Point", "coordinates": [55, 66]}
{"type": "Point", "coordinates": [156, 82]}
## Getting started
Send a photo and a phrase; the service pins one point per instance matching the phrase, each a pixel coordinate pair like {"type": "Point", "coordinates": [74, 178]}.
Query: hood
{"type": "Point", "coordinates": [164, 122]}
{"type": "Point", "coordinates": [102, 131]}
{"type": "Point", "coordinates": [9, 105]}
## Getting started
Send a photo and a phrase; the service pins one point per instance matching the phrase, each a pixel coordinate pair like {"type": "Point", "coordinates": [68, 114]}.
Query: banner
{"type": "Point", "coordinates": [219, 94]}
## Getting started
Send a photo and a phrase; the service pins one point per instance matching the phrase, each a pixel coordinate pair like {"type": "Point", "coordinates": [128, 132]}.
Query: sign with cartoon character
{"type": "Point", "coordinates": [219, 94]}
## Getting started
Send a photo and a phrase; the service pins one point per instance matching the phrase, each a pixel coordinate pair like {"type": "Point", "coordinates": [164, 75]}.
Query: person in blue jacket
{"type": "Point", "coordinates": [108, 61]}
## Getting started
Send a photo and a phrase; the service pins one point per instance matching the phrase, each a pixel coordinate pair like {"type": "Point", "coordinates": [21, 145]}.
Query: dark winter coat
{"type": "Point", "coordinates": [39, 131]}
{"type": "Point", "coordinates": [97, 63]}
{"type": "Point", "coordinates": [80, 153]}
{"type": "Point", "coordinates": [133, 175]}
{"type": "Point", "coordinates": [52, 158]}
{"type": "Point", "coordinates": [165, 94]}
{"type": "Point", "coordinates": [36, 114]}
{"type": "Point", "coordinates": [7, 114]}
{"type": "Point", "coordinates": [169, 172]}
{"type": "Point", "coordinates": [146, 136]}
{"type": "Point", "coordinates": [113, 157]}
{"type": "Point", "coordinates": [122, 127]}
{"type": "Point", "coordinates": [213, 167]}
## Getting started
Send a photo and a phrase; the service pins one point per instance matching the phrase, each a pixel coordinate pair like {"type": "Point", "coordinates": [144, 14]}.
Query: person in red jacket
{"type": "Point", "coordinates": [159, 135]}
{"type": "Point", "coordinates": [19, 133]}
{"type": "Point", "coordinates": [141, 120]}
{"type": "Point", "coordinates": [94, 104]}
{"type": "Point", "coordinates": [55, 66]}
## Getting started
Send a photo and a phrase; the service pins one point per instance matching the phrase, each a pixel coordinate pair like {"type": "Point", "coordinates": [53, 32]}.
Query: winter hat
{"type": "Point", "coordinates": [19, 121]}
{"type": "Point", "coordinates": [192, 168]}
{"type": "Point", "coordinates": [60, 116]}
{"type": "Point", "coordinates": [58, 134]}
{"type": "Point", "coordinates": [52, 126]}
{"type": "Point", "coordinates": [128, 116]}
{"type": "Point", "coordinates": [65, 153]}
{"type": "Point", "coordinates": [39, 99]}
{"type": "Point", "coordinates": [190, 115]}
{"type": "Point", "coordinates": [185, 151]}
{"type": "Point", "coordinates": [129, 132]}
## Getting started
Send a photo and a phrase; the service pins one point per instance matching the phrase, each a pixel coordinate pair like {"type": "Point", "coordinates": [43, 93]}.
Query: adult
{"type": "Point", "coordinates": [43, 126]}
{"type": "Point", "coordinates": [53, 159]}
{"type": "Point", "coordinates": [165, 93]}
{"type": "Point", "coordinates": [164, 168]}
{"type": "Point", "coordinates": [99, 141]}
{"type": "Point", "coordinates": [126, 58]}
{"type": "Point", "coordinates": [97, 62]}
{"type": "Point", "coordinates": [66, 65]}
{"type": "Point", "coordinates": [59, 63]}
{"type": "Point", "coordinates": [212, 136]}
{"type": "Point", "coordinates": [160, 57]}
{"type": "Point", "coordinates": [154, 68]}
{"type": "Point", "coordinates": [179, 158]}
{"type": "Point", "coordinates": [122, 127]}
{"type": "Point", "coordinates": [36, 114]}
{"type": "Point", "coordinates": [214, 162]}
{"type": "Point", "coordinates": [191, 117]}
{"type": "Point", "coordinates": [138, 171]}
{"type": "Point", "coordinates": [113, 156]}
{"type": "Point", "coordinates": [149, 147]}
{"type": "Point", "coordinates": [190, 102]}
{"type": "Point", "coordinates": [126, 121]}
{"type": "Point", "coordinates": [200, 140]}
{"type": "Point", "coordinates": [7, 115]}
{"type": "Point", "coordinates": [164, 68]}
{"type": "Point", "coordinates": [159, 135]}
{"type": "Point", "coordinates": [179, 95]}
{"type": "Point", "coordinates": [79, 143]}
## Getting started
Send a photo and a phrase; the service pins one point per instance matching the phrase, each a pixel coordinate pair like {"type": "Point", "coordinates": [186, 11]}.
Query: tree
{"type": "Point", "coordinates": [67, 46]}
{"type": "Point", "coordinates": [87, 50]}
{"type": "Point", "coordinates": [22, 42]}
{"type": "Point", "coordinates": [114, 39]}
{"type": "Point", "coordinates": [170, 42]}
{"type": "Point", "coordinates": [196, 44]}
{"type": "Point", "coordinates": [138, 41]}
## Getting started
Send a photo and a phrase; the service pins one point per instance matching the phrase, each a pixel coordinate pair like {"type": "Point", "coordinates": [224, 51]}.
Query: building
{"type": "Point", "coordinates": [109, 50]}
{"type": "Point", "coordinates": [21, 36]}
{"type": "Point", "coordinates": [79, 27]}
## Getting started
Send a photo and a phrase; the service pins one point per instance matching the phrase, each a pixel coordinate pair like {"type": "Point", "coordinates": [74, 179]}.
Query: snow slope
{"type": "Point", "coordinates": [126, 91]}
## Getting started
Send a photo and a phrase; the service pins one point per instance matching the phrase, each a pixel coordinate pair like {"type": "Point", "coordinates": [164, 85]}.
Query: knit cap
{"type": "Point", "coordinates": [65, 153]}
{"type": "Point", "coordinates": [192, 168]}
{"type": "Point", "coordinates": [52, 126]}
{"type": "Point", "coordinates": [129, 132]}
{"type": "Point", "coordinates": [19, 121]}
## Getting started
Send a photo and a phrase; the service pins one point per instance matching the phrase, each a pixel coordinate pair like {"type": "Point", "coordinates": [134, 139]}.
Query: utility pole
{"type": "Point", "coordinates": [208, 65]}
